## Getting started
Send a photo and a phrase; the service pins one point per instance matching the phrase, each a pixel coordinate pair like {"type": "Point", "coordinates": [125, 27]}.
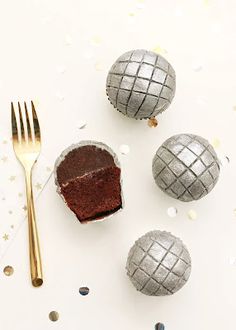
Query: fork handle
{"type": "Point", "coordinates": [34, 249]}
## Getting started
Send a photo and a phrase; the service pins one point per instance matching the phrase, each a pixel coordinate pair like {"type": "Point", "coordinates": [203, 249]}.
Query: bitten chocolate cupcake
{"type": "Point", "coordinates": [88, 177]}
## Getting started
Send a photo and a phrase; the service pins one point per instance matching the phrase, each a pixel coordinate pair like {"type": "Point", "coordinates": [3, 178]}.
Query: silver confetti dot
{"type": "Point", "coordinates": [81, 124]}
{"type": "Point", "coordinates": [172, 212]}
{"type": "Point", "coordinates": [124, 149]}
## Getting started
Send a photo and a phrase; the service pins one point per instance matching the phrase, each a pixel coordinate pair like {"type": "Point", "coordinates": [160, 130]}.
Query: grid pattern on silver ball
{"type": "Point", "coordinates": [158, 264]}
{"type": "Point", "coordinates": [141, 84]}
{"type": "Point", "coordinates": [186, 167]}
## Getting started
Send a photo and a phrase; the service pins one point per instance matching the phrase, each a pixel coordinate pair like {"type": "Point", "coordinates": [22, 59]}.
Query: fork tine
{"type": "Point", "coordinates": [21, 124]}
{"type": "Point", "coordinates": [13, 124]}
{"type": "Point", "coordinates": [28, 123]}
{"type": "Point", "coordinates": [36, 123]}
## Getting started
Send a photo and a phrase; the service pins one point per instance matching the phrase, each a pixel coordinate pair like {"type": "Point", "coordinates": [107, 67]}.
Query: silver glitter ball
{"type": "Point", "coordinates": [186, 167]}
{"type": "Point", "coordinates": [158, 264]}
{"type": "Point", "coordinates": [141, 84]}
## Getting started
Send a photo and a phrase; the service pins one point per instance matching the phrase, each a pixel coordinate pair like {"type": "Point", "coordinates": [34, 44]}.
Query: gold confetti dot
{"type": "Point", "coordinates": [159, 50]}
{"type": "Point", "coordinates": [12, 178]}
{"type": "Point", "coordinates": [8, 270]}
{"type": "Point", "coordinates": [98, 66]}
{"type": "Point", "coordinates": [53, 316]}
{"type": "Point", "coordinates": [216, 143]}
{"type": "Point", "coordinates": [38, 186]}
{"type": "Point", "coordinates": [152, 122]}
{"type": "Point", "coordinates": [96, 40]}
{"type": "Point", "coordinates": [5, 237]}
{"type": "Point", "coordinates": [192, 215]}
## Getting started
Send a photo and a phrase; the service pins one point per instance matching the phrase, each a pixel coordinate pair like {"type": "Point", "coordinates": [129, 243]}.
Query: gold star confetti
{"type": "Point", "coordinates": [12, 178]}
{"type": "Point", "coordinates": [4, 159]}
{"type": "Point", "coordinates": [192, 215]}
{"type": "Point", "coordinates": [216, 143]}
{"type": "Point", "coordinates": [5, 237]}
{"type": "Point", "coordinates": [159, 50]}
{"type": "Point", "coordinates": [38, 186]}
{"type": "Point", "coordinates": [24, 208]}
{"type": "Point", "coordinates": [98, 66]}
{"type": "Point", "coordinates": [8, 270]}
{"type": "Point", "coordinates": [96, 40]}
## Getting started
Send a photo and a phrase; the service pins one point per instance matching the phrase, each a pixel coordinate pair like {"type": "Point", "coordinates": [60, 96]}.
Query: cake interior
{"type": "Point", "coordinates": [90, 183]}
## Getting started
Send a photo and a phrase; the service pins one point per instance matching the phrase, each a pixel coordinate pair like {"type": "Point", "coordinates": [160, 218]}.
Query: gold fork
{"type": "Point", "coordinates": [27, 143]}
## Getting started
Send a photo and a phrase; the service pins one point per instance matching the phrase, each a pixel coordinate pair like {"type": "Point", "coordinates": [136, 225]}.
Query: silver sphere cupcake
{"type": "Point", "coordinates": [158, 264]}
{"type": "Point", "coordinates": [141, 84]}
{"type": "Point", "coordinates": [186, 167]}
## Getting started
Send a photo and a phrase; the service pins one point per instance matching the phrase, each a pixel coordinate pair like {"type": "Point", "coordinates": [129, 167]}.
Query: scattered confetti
{"type": "Point", "coordinates": [124, 149]}
{"type": "Point", "coordinates": [38, 186]}
{"type": "Point", "coordinates": [98, 66]}
{"type": "Point", "coordinates": [53, 316]}
{"type": "Point", "coordinates": [84, 291]}
{"type": "Point", "coordinates": [8, 270]}
{"type": "Point", "coordinates": [232, 261]}
{"type": "Point", "coordinates": [81, 124]}
{"type": "Point", "coordinates": [60, 96]}
{"type": "Point", "coordinates": [152, 122]}
{"type": "Point", "coordinates": [68, 40]}
{"type": "Point", "coordinates": [224, 160]}
{"type": "Point", "coordinates": [172, 212]}
{"type": "Point", "coordinates": [5, 237]}
{"type": "Point", "coordinates": [96, 40]}
{"type": "Point", "coordinates": [4, 159]}
{"type": "Point", "coordinates": [216, 143]}
{"type": "Point", "coordinates": [159, 50]}
{"type": "Point", "coordinates": [197, 67]}
{"type": "Point", "coordinates": [61, 69]}
{"type": "Point", "coordinates": [192, 215]}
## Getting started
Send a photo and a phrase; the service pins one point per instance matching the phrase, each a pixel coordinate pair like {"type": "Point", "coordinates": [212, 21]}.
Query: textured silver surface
{"type": "Point", "coordinates": [158, 264]}
{"type": "Point", "coordinates": [186, 167]}
{"type": "Point", "coordinates": [81, 144]}
{"type": "Point", "coordinates": [141, 84]}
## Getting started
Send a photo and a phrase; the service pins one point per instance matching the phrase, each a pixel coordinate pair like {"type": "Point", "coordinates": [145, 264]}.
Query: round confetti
{"type": "Point", "coordinates": [84, 291]}
{"type": "Point", "coordinates": [53, 316]}
{"type": "Point", "coordinates": [8, 270]}
{"type": "Point", "coordinates": [152, 122]}
{"type": "Point", "coordinates": [124, 149]}
{"type": "Point", "coordinates": [172, 212]}
{"type": "Point", "coordinates": [192, 215]}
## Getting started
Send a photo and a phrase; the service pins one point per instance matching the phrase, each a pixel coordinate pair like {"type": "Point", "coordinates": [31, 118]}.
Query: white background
{"type": "Point", "coordinates": [58, 52]}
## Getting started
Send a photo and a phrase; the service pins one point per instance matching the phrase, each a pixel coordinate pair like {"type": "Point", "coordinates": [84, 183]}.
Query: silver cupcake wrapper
{"type": "Point", "coordinates": [82, 144]}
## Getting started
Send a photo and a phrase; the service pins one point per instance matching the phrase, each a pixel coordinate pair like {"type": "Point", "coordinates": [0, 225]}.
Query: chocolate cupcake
{"type": "Point", "coordinates": [88, 177]}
